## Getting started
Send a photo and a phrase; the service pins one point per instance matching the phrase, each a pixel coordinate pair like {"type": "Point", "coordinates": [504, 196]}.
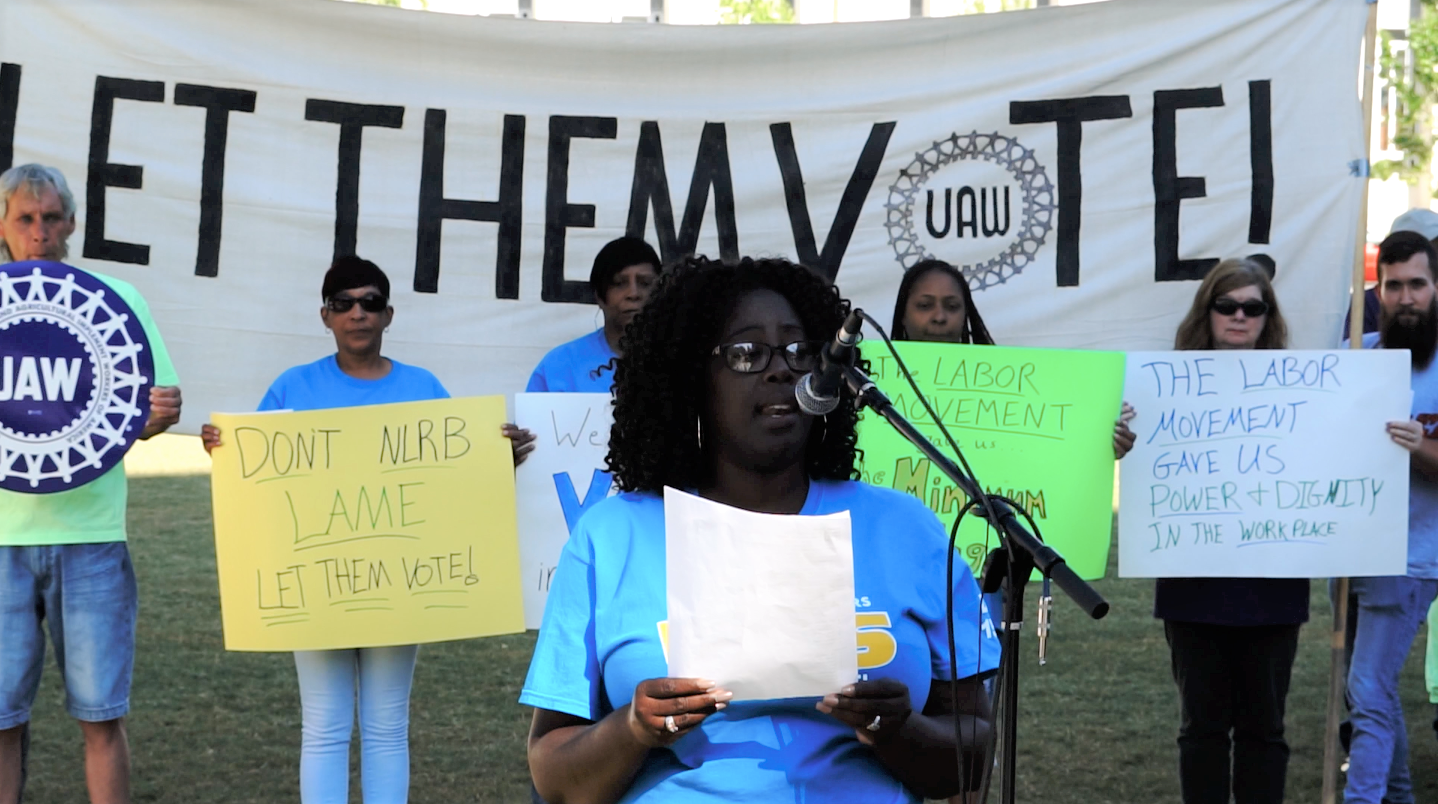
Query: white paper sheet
{"type": "Point", "coordinates": [761, 603]}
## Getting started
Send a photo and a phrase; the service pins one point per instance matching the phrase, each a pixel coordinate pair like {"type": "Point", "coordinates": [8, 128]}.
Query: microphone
{"type": "Point", "coordinates": [817, 393]}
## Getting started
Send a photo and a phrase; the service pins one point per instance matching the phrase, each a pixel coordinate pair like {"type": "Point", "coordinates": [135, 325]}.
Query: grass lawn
{"type": "Point", "coordinates": [1098, 723]}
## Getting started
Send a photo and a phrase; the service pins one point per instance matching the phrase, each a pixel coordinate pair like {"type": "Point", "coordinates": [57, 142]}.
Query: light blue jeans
{"type": "Point", "coordinates": [1390, 609]}
{"type": "Point", "coordinates": [327, 698]}
{"type": "Point", "coordinates": [86, 594]}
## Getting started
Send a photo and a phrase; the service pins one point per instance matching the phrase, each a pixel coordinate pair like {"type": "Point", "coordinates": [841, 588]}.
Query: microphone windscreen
{"type": "Point", "coordinates": [810, 402]}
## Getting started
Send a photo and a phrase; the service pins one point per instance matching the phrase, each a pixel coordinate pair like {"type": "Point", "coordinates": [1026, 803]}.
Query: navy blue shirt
{"type": "Point", "coordinates": [1232, 601]}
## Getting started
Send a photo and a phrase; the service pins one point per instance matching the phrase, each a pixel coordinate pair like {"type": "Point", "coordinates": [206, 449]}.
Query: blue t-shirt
{"type": "Point", "coordinates": [575, 367]}
{"type": "Point", "coordinates": [1422, 492]}
{"type": "Point", "coordinates": [600, 638]}
{"type": "Point", "coordinates": [322, 384]}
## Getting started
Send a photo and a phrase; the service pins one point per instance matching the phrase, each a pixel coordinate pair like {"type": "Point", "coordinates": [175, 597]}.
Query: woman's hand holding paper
{"type": "Point", "coordinates": [876, 709]}
{"type": "Point", "coordinates": [665, 709]}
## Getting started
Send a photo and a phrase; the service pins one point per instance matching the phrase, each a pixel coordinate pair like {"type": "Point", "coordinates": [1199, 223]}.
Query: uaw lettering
{"type": "Point", "coordinates": [1263, 464]}
{"type": "Point", "coordinates": [966, 189]}
{"type": "Point", "coordinates": [75, 377]}
{"type": "Point", "coordinates": [362, 526]}
{"type": "Point", "coordinates": [1036, 426]}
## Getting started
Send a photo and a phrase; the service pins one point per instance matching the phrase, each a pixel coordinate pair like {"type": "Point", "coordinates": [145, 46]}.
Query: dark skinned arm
{"type": "Point", "coordinates": [918, 748]}
{"type": "Point", "coordinates": [579, 761]}
{"type": "Point", "coordinates": [165, 404]}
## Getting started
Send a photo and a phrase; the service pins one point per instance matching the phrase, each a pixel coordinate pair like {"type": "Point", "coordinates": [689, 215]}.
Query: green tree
{"type": "Point", "coordinates": [744, 12]}
{"type": "Point", "coordinates": [1415, 85]}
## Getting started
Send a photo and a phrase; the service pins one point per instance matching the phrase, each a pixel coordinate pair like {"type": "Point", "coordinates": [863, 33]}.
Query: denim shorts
{"type": "Point", "coordinates": [86, 594]}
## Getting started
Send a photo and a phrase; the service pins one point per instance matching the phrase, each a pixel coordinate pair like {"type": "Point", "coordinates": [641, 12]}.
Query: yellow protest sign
{"type": "Point", "coordinates": [366, 526]}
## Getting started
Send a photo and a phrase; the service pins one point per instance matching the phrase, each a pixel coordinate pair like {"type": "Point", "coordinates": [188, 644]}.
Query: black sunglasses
{"type": "Point", "coordinates": [1253, 308]}
{"type": "Point", "coordinates": [752, 358]}
{"type": "Point", "coordinates": [370, 303]}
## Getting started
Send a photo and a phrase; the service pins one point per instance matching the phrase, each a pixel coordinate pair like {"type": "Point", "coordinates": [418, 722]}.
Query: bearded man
{"type": "Point", "coordinates": [1390, 609]}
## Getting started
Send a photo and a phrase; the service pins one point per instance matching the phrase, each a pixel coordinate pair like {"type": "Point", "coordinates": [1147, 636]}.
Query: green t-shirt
{"type": "Point", "coordinates": [94, 512]}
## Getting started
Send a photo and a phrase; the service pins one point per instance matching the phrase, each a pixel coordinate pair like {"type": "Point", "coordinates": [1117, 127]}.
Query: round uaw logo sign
{"type": "Point", "coordinates": [981, 202]}
{"type": "Point", "coordinates": [75, 377]}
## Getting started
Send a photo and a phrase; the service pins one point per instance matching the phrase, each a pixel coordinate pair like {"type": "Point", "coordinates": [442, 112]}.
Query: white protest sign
{"type": "Point", "coordinates": [483, 162]}
{"type": "Point", "coordinates": [1265, 464]}
{"type": "Point", "coordinates": [562, 478]}
{"type": "Point", "coordinates": [761, 603]}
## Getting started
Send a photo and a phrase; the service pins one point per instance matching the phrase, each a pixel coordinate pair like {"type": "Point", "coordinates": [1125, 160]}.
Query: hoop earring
{"type": "Point", "coordinates": [598, 318]}
{"type": "Point", "coordinates": [699, 433]}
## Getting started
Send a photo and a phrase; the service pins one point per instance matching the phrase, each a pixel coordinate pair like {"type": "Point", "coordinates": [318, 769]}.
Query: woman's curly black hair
{"type": "Point", "coordinates": [660, 384]}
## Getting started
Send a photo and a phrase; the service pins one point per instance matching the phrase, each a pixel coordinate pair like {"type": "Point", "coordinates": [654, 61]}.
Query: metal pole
{"type": "Point", "coordinates": [1338, 666]}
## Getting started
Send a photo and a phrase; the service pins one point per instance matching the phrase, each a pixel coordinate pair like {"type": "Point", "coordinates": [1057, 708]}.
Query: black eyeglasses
{"type": "Point", "coordinates": [1253, 308]}
{"type": "Point", "coordinates": [370, 303]}
{"type": "Point", "coordinates": [752, 358]}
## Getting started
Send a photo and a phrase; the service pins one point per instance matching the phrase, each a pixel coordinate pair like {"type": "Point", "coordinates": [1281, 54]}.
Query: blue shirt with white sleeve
{"type": "Point", "coordinates": [601, 637]}
{"type": "Point", "coordinates": [577, 367]}
{"type": "Point", "coordinates": [322, 384]}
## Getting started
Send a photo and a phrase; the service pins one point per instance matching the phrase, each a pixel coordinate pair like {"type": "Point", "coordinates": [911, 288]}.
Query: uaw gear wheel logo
{"type": "Point", "coordinates": [965, 192]}
{"type": "Point", "coordinates": [75, 377]}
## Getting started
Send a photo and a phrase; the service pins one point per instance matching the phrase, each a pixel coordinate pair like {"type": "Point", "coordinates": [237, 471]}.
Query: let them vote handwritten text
{"type": "Point", "coordinates": [366, 526]}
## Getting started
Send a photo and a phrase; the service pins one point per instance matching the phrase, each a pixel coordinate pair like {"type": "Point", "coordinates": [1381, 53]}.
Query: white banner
{"type": "Point", "coordinates": [562, 478]}
{"type": "Point", "coordinates": [1085, 164]}
{"type": "Point", "coordinates": [1265, 464]}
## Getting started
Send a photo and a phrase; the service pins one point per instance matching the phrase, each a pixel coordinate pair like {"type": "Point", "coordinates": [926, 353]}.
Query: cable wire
{"type": "Point", "coordinates": [987, 501]}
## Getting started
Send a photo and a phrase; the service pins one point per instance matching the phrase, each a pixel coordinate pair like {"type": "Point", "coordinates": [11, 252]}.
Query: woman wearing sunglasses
{"type": "Point", "coordinates": [1232, 640]}
{"type": "Point", "coordinates": [357, 312]}
{"type": "Point", "coordinates": [704, 401]}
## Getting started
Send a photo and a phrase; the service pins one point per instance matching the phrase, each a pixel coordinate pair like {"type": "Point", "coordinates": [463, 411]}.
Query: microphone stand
{"type": "Point", "coordinates": [1021, 552]}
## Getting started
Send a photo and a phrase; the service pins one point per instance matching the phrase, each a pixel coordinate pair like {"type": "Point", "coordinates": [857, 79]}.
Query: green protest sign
{"type": "Point", "coordinates": [1036, 425]}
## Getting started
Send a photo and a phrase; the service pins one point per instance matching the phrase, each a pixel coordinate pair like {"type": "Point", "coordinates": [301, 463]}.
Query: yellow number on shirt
{"type": "Point", "coordinates": [876, 645]}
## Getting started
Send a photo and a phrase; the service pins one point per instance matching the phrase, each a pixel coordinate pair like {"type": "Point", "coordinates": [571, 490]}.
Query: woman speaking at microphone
{"type": "Point", "coordinates": [1232, 641]}
{"type": "Point", "coordinates": [357, 311]}
{"type": "Point", "coordinates": [704, 401]}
